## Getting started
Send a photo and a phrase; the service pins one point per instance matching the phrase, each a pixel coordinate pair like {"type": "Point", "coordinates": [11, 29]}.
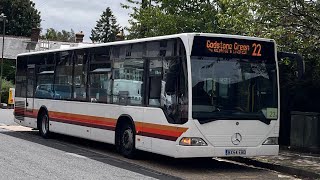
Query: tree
{"type": "Point", "coordinates": [106, 28]}
{"type": "Point", "coordinates": [9, 70]}
{"type": "Point", "coordinates": [21, 15]}
{"type": "Point", "coordinates": [54, 35]}
{"type": "Point", "coordinates": [296, 27]}
{"type": "Point", "coordinates": [163, 17]}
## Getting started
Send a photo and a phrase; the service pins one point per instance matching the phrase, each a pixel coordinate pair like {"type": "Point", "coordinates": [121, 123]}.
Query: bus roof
{"type": "Point", "coordinates": [150, 39]}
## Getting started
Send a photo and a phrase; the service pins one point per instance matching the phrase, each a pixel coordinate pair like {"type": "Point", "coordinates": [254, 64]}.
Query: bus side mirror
{"type": "Point", "coordinates": [294, 57]}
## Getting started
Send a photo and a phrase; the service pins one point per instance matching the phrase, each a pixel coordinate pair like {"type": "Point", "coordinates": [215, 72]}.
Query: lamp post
{"type": "Point", "coordinates": [3, 19]}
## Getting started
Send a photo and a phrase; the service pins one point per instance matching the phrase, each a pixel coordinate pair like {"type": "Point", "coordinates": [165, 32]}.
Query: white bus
{"type": "Point", "coordinates": [185, 95]}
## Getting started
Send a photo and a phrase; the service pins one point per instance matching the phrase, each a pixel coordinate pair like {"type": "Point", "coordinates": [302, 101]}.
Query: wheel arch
{"type": "Point", "coordinates": [41, 110]}
{"type": "Point", "coordinates": [123, 119]}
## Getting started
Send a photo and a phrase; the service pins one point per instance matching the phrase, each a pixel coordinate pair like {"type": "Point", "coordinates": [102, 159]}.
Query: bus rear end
{"type": "Point", "coordinates": [235, 101]}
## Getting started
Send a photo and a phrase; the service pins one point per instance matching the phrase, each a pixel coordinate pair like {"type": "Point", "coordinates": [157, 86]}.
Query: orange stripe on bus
{"type": "Point", "coordinates": [101, 121]}
{"type": "Point", "coordinates": [161, 127]}
{"type": "Point", "coordinates": [163, 132]}
{"type": "Point", "coordinates": [144, 129]}
{"type": "Point", "coordinates": [156, 130]}
{"type": "Point", "coordinates": [32, 113]}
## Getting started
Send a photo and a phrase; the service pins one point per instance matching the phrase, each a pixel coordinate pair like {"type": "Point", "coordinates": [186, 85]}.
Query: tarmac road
{"type": "Point", "coordinates": [25, 155]}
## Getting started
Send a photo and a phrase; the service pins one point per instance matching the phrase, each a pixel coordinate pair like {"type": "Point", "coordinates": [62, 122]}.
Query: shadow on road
{"type": "Point", "coordinates": [153, 165]}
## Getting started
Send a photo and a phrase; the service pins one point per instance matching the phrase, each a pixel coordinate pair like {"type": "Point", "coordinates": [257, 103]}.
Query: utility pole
{"type": "Point", "coordinates": [3, 19]}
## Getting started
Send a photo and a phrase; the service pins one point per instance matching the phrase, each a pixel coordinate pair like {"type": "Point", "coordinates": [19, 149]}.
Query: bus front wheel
{"type": "Point", "coordinates": [127, 141]}
{"type": "Point", "coordinates": [44, 125]}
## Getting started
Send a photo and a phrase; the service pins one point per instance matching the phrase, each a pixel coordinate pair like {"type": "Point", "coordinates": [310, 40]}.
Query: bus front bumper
{"type": "Point", "coordinates": [209, 151]}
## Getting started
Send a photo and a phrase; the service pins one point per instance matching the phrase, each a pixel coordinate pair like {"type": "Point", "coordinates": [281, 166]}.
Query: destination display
{"type": "Point", "coordinates": [230, 47]}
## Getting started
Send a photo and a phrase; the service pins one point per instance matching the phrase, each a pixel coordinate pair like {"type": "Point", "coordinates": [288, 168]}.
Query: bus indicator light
{"type": "Point", "coordinates": [185, 141]}
{"type": "Point", "coordinates": [192, 141]}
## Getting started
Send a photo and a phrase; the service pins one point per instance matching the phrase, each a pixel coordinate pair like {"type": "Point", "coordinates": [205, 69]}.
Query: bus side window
{"type": "Point", "coordinates": [45, 76]}
{"type": "Point", "coordinates": [169, 93]}
{"type": "Point", "coordinates": [128, 75]}
{"type": "Point", "coordinates": [174, 91]}
{"type": "Point", "coordinates": [21, 76]}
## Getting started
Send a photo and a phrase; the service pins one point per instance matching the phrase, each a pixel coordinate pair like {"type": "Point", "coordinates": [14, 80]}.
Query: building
{"type": "Point", "coordinates": [14, 45]}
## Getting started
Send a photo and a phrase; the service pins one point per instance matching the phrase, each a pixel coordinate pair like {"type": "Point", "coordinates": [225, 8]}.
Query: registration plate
{"type": "Point", "coordinates": [235, 152]}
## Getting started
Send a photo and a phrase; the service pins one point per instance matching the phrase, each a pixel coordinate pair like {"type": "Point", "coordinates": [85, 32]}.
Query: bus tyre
{"type": "Point", "coordinates": [44, 125]}
{"type": "Point", "coordinates": [127, 141]}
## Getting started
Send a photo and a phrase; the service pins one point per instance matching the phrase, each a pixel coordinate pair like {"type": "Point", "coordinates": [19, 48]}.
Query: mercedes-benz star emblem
{"type": "Point", "coordinates": [236, 138]}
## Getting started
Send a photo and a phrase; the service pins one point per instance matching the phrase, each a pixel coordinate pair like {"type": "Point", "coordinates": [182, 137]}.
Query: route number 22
{"type": "Point", "coordinates": [256, 49]}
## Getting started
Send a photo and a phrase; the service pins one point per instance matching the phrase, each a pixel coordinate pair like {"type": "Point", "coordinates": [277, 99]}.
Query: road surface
{"type": "Point", "coordinates": [25, 155]}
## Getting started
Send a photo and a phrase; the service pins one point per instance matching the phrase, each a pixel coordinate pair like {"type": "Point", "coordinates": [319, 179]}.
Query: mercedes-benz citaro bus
{"type": "Point", "coordinates": [185, 95]}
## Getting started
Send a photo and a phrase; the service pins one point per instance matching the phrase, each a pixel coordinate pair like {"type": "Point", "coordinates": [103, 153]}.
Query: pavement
{"type": "Point", "coordinates": [6, 117]}
{"type": "Point", "coordinates": [301, 165]}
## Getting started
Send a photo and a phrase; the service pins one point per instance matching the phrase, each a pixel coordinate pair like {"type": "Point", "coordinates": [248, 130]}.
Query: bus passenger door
{"type": "Point", "coordinates": [31, 80]}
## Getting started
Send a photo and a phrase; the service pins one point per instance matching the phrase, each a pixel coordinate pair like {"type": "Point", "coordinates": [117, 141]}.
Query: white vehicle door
{"type": "Point", "coordinates": [31, 80]}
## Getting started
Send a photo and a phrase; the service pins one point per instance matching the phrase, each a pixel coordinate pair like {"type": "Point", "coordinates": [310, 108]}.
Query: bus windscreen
{"type": "Point", "coordinates": [233, 79]}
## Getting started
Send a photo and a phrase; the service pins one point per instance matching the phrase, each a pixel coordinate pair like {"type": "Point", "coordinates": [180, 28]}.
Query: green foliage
{"type": "Point", "coordinates": [54, 35]}
{"type": "Point", "coordinates": [163, 17]}
{"type": "Point", "coordinates": [106, 28]}
{"type": "Point", "coordinates": [295, 25]}
{"type": "Point", "coordinates": [6, 85]}
{"type": "Point", "coordinates": [236, 16]}
{"type": "Point", "coordinates": [9, 70]}
{"type": "Point", "coordinates": [21, 17]}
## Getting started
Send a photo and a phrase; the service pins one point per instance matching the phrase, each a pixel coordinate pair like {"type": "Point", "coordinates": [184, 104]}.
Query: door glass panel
{"type": "Point", "coordinates": [80, 76]}
{"type": "Point", "coordinates": [100, 76]}
{"type": "Point", "coordinates": [63, 80]}
{"type": "Point", "coordinates": [155, 79]}
{"type": "Point", "coordinates": [30, 81]}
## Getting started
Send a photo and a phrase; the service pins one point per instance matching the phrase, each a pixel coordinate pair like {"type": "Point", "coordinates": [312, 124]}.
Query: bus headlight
{"type": "Point", "coordinates": [271, 141]}
{"type": "Point", "coordinates": [192, 141]}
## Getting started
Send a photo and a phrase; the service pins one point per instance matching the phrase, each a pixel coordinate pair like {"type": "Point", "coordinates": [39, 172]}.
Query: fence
{"type": "Point", "coordinates": [305, 131]}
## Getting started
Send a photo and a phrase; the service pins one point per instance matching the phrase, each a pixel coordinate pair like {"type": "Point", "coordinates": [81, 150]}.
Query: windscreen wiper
{"type": "Point", "coordinates": [204, 121]}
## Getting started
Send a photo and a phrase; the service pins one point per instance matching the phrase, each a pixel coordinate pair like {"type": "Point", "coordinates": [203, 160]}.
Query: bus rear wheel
{"type": "Point", "coordinates": [43, 125]}
{"type": "Point", "coordinates": [127, 141]}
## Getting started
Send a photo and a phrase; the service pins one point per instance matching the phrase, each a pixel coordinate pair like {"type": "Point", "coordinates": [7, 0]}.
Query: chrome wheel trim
{"type": "Point", "coordinates": [127, 139]}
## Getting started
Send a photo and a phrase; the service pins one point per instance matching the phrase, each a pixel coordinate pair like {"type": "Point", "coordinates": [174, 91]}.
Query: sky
{"type": "Point", "coordinates": [79, 15]}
